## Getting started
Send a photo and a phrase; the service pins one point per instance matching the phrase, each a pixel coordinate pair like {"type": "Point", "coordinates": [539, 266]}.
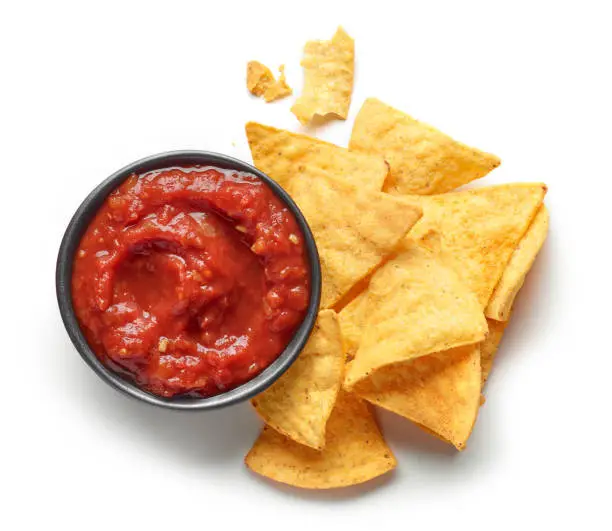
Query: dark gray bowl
{"type": "Point", "coordinates": [77, 226]}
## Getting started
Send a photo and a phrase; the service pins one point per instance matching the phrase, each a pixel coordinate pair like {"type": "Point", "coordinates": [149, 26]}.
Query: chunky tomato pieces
{"type": "Point", "coordinates": [191, 280]}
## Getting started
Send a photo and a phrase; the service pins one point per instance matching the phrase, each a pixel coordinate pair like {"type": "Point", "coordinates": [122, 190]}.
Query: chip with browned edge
{"type": "Point", "coordinates": [519, 265]}
{"type": "Point", "coordinates": [489, 346]}
{"type": "Point", "coordinates": [300, 402]}
{"type": "Point", "coordinates": [416, 306]}
{"type": "Point", "coordinates": [423, 160]}
{"type": "Point", "coordinates": [355, 451]}
{"type": "Point", "coordinates": [286, 156]}
{"type": "Point", "coordinates": [480, 229]}
{"type": "Point", "coordinates": [354, 229]}
{"type": "Point", "coordinates": [439, 392]}
{"type": "Point", "coordinates": [328, 78]}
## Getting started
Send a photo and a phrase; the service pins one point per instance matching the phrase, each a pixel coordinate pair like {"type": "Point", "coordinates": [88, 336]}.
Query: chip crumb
{"type": "Point", "coordinates": [262, 83]}
{"type": "Point", "coordinates": [241, 228]}
{"type": "Point", "coordinates": [294, 239]}
{"type": "Point", "coordinates": [163, 344]}
{"type": "Point", "coordinates": [81, 253]}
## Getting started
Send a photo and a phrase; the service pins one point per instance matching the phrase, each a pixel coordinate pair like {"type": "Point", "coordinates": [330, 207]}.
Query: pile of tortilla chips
{"type": "Point", "coordinates": [418, 285]}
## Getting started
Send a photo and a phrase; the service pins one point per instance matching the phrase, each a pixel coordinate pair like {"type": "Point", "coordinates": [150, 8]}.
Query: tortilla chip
{"type": "Point", "coordinates": [416, 306]}
{"type": "Point", "coordinates": [439, 392]}
{"type": "Point", "coordinates": [519, 265]}
{"type": "Point", "coordinates": [423, 160]}
{"type": "Point", "coordinates": [489, 346]}
{"type": "Point", "coordinates": [300, 402]}
{"type": "Point", "coordinates": [480, 229]}
{"type": "Point", "coordinates": [354, 229]}
{"type": "Point", "coordinates": [286, 156]}
{"type": "Point", "coordinates": [261, 82]}
{"type": "Point", "coordinates": [352, 321]}
{"type": "Point", "coordinates": [355, 451]}
{"type": "Point", "coordinates": [328, 78]}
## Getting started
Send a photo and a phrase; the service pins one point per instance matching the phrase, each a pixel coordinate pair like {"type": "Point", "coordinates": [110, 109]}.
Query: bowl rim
{"type": "Point", "coordinates": [79, 223]}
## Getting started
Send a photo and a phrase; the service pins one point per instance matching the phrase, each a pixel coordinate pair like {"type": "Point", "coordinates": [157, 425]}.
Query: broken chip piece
{"type": "Point", "coordinates": [261, 82]}
{"type": "Point", "coordinates": [328, 78]}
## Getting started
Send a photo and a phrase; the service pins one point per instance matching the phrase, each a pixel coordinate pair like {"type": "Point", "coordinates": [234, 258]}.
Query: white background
{"type": "Point", "coordinates": [88, 88]}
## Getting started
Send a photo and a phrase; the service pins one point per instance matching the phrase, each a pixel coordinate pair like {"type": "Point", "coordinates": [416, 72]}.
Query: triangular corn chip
{"type": "Point", "coordinates": [354, 229]}
{"type": "Point", "coordinates": [480, 229]}
{"type": "Point", "coordinates": [489, 346]}
{"type": "Point", "coordinates": [300, 402]}
{"type": "Point", "coordinates": [416, 306]}
{"type": "Point", "coordinates": [287, 156]}
{"type": "Point", "coordinates": [355, 451]}
{"type": "Point", "coordinates": [439, 392]}
{"type": "Point", "coordinates": [423, 160]}
{"type": "Point", "coordinates": [328, 78]}
{"type": "Point", "coordinates": [519, 265]}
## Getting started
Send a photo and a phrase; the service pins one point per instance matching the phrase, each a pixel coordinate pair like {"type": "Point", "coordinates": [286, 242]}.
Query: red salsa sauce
{"type": "Point", "coordinates": [191, 280]}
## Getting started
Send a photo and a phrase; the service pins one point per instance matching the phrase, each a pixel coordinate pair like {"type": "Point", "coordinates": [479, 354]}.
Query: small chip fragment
{"type": "Point", "coordinates": [261, 82]}
{"type": "Point", "coordinates": [355, 451]}
{"type": "Point", "coordinates": [423, 160]}
{"type": "Point", "coordinates": [329, 67]}
{"type": "Point", "coordinates": [299, 403]}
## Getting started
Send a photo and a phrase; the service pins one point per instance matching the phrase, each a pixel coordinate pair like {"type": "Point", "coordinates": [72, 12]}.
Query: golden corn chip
{"type": "Point", "coordinates": [488, 348]}
{"type": "Point", "coordinates": [355, 451]}
{"type": "Point", "coordinates": [328, 78]}
{"type": "Point", "coordinates": [286, 156]}
{"type": "Point", "coordinates": [261, 82]}
{"type": "Point", "coordinates": [416, 306]}
{"type": "Point", "coordinates": [439, 392]}
{"type": "Point", "coordinates": [519, 265]}
{"type": "Point", "coordinates": [480, 229]}
{"type": "Point", "coordinates": [354, 229]}
{"type": "Point", "coordinates": [300, 402]}
{"type": "Point", "coordinates": [352, 320]}
{"type": "Point", "coordinates": [423, 160]}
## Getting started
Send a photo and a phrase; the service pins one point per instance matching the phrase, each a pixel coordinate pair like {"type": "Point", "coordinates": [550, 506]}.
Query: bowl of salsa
{"type": "Point", "coordinates": [189, 280]}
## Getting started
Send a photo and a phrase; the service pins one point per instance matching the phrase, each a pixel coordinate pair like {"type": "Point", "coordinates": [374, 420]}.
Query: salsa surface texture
{"type": "Point", "coordinates": [191, 280]}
